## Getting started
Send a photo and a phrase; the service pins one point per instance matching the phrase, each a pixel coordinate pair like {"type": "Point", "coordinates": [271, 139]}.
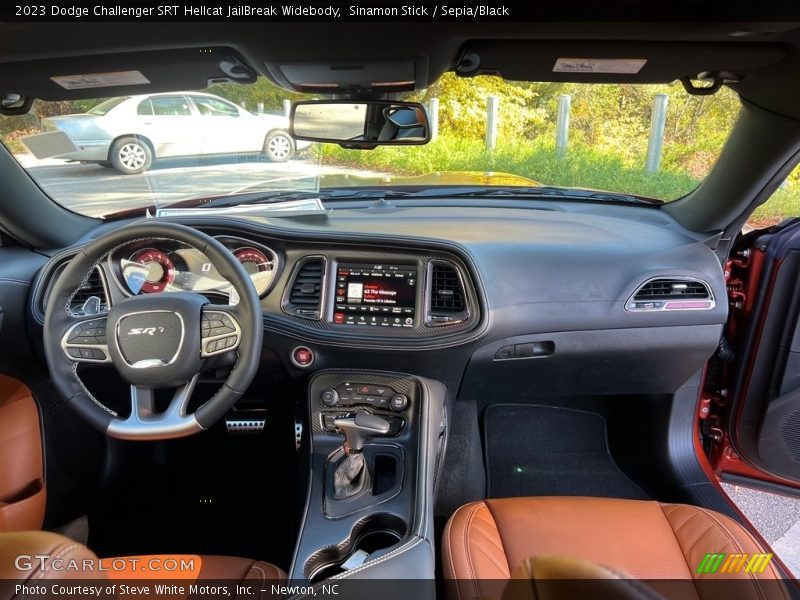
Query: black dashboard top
{"type": "Point", "coordinates": [524, 268]}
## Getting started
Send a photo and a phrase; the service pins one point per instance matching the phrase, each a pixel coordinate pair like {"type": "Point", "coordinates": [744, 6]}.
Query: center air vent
{"type": "Point", "coordinates": [305, 293]}
{"type": "Point", "coordinates": [447, 301]}
{"type": "Point", "coordinates": [672, 293]}
{"type": "Point", "coordinates": [93, 288]}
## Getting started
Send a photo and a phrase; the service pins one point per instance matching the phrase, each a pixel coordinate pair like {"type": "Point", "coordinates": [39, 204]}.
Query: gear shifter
{"type": "Point", "coordinates": [358, 428]}
{"type": "Point", "coordinates": [351, 476]}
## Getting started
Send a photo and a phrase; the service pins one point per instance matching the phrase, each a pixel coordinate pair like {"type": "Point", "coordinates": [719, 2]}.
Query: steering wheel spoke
{"type": "Point", "coordinates": [145, 423]}
{"type": "Point", "coordinates": [85, 340]}
{"type": "Point", "coordinates": [220, 331]}
{"type": "Point", "coordinates": [142, 406]}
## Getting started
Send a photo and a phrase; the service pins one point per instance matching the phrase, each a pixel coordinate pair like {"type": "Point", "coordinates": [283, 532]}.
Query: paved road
{"type": "Point", "coordinates": [775, 516]}
{"type": "Point", "coordinates": [95, 190]}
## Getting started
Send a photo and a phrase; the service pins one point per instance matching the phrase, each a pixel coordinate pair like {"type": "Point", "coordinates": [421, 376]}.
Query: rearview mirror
{"type": "Point", "coordinates": [14, 104]}
{"type": "Point", "coordinates": [361, 125]}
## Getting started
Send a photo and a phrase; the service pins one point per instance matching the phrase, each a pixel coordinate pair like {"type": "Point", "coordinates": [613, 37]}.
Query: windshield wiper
{"type": "Point", "coordinates": [535, 192]}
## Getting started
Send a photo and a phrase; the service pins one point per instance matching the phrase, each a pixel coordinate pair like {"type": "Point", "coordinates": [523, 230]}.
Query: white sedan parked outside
{"type": "Point", "coordinates": [129, 133]}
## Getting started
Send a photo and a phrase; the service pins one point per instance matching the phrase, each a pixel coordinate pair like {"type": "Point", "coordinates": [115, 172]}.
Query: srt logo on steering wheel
{"type": "Point", "coordinates": [146, 330]}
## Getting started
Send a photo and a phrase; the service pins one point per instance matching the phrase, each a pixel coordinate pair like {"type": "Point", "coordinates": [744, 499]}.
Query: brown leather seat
{"type": "Point", "coordinates": [69, 560]}
{"type": "Point", "coordinates": [22, 490]}
{"type": "Point", "coordinates": [493, 541]}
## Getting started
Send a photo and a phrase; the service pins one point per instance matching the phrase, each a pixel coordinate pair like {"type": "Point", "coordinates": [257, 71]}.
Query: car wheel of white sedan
{"type": "Point", "coordinates": [279, 146]}
{"type": "Point", "coordinates": [130, 155]}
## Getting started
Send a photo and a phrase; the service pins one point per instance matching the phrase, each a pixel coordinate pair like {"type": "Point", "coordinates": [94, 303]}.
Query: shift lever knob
{"type": "Point", "coordinates": [358, 428]}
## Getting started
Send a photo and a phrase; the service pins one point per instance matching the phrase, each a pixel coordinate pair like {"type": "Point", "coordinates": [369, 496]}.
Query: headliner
{"type": "Point", "coordinates": [767, 60]}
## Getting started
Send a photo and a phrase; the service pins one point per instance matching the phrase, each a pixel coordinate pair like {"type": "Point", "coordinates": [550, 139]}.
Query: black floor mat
{"type": "Point", "coordinates": [213, 494]}
{"type": "Point", "coordinates": [536, 450]}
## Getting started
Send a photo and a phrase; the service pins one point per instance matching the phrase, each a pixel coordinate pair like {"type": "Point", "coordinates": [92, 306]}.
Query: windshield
{"type": "Point", "coordinates": [107, 156]}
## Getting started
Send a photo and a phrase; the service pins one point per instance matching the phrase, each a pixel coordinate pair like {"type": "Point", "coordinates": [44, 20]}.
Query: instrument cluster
{"type": "Point", "coordinates": [158, 265]}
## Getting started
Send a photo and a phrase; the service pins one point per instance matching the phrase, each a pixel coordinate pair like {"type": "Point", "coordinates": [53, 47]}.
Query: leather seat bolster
{"type": "Point", "coordinates": [65, 559]}
{"type": "Point", "coordinates": [41, 543]}
{"type": "Point", "coordinates": [699, 531]}
{"type": "Point", "coordinates": [263, 571]}
{"type": "Point", "coordinates": [22, 489]}
{"type": "Point", "coordinates": [473, 551]}
{"type": "Point", "coordinates": [209, 568]}
{"type": "Point", "coordinates": [191, 567]}
{"type": "Point", "coordinates": [497, 539]}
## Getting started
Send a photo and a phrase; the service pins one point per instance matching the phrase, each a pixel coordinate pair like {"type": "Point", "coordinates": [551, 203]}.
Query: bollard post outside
{"type": "Point", "coordinates": [491, 122]}
{"type": "Point", "coordinates": [433, 117]}
{"type": "Point", "coordinates": [562, 124]}
{"type": "Point", "coordinates": [658, 120]}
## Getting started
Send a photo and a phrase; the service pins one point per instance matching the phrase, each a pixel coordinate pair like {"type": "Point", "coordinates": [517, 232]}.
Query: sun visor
{"type": "Point", "coordinates": [123, 74]}
{"type": "Point", "coordinates": [354, 76]}
{"type": "Point", "coordinates": [611, 62]}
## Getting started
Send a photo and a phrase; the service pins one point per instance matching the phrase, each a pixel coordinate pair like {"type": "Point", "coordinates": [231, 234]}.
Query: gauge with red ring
{"type": "Point", "coordinates": [159, 270]}
{"type": "Point", "coordinates": [254, 262]}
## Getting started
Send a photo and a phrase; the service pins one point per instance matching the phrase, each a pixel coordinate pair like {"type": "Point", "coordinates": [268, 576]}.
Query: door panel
{"type": "Point", "coordinates": [22, 492]}
{"type": "Point", "coordinates": [66, 453]}
{"type": "Point", "coordinates": [765, 417]}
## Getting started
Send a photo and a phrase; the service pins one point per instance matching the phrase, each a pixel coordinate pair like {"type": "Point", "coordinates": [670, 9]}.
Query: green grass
{"type": "Point", "coordinates": [784, 203]}
{"type": "Point", "coordinates": [581, 167]}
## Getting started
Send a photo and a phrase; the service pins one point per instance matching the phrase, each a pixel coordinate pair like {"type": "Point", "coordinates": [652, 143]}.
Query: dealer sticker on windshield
{"type": "Point", "coordinates": [99, 80]}
{"type": "Point", "coordinates": [625, 66]}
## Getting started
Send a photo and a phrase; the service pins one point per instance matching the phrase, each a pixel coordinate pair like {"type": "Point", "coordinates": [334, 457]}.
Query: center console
{"type": "Point", "coordinates": [374, 438]}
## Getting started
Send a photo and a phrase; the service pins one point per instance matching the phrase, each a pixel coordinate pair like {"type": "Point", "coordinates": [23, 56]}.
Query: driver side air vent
{"type": "Point", "coordinates": [93, 288]}
{"type": "Point", "coordinates": [672, 293]}
{"type": "Point", "coordinates": [447, 301]}
{"type": "Point", "coordinates": [304, 298]}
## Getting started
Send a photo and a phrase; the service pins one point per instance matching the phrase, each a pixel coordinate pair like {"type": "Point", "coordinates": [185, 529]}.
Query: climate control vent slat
{"type": "Point", "coordinates": [305, 294]}
{"type": "Point", "coordinates": [446, 292]}
{"type": "Point", "coordinates": [672, 293]}
{"type": "Point", "coordinates": [94, 287]}
{"type": "Point", "coordinates": [447, 301]}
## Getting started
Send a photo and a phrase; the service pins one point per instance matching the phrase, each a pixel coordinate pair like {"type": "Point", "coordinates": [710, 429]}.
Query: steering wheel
{"type": "Point", "coordinates": [161, 340]}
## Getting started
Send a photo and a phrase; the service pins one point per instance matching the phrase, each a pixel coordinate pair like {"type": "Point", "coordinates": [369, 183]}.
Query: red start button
{"type": "Point", "coordinates": [302, 356]}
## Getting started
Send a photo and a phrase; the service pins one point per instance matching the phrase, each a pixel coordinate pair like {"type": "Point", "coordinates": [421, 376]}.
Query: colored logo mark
{"type": "Point", "coordinates": [734, 563]}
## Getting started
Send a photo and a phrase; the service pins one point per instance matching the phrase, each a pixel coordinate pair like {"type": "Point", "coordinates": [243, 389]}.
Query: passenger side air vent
{"type": "Point", "coordinates": [447, 302]}
{"type": "Point", "coordinates": [673, 293]}
{"type": "Point", "coordinates": [304, 298]}
{"type": "Point", "coordinates": [93, 288]}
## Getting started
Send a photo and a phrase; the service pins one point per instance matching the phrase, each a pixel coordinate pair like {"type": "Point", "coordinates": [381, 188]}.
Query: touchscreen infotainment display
{"type": "Point", "coordinates": [376, 295]}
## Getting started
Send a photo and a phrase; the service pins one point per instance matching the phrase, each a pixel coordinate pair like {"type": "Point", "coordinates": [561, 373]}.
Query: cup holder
{"type": "Point", "coordinates": [375, 533]}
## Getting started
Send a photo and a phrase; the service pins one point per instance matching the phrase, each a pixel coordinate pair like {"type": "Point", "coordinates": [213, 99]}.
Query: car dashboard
{"type": "Point", "coordinates": [414, 313]}
{"type": "Point", "coordinates": [434, 276]}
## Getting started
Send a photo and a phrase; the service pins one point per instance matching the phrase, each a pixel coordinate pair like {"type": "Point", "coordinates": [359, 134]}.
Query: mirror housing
{"type": "Point", "coordinates": [15, 104]}
{"type": "Point", "coordinates": [360, 125]}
